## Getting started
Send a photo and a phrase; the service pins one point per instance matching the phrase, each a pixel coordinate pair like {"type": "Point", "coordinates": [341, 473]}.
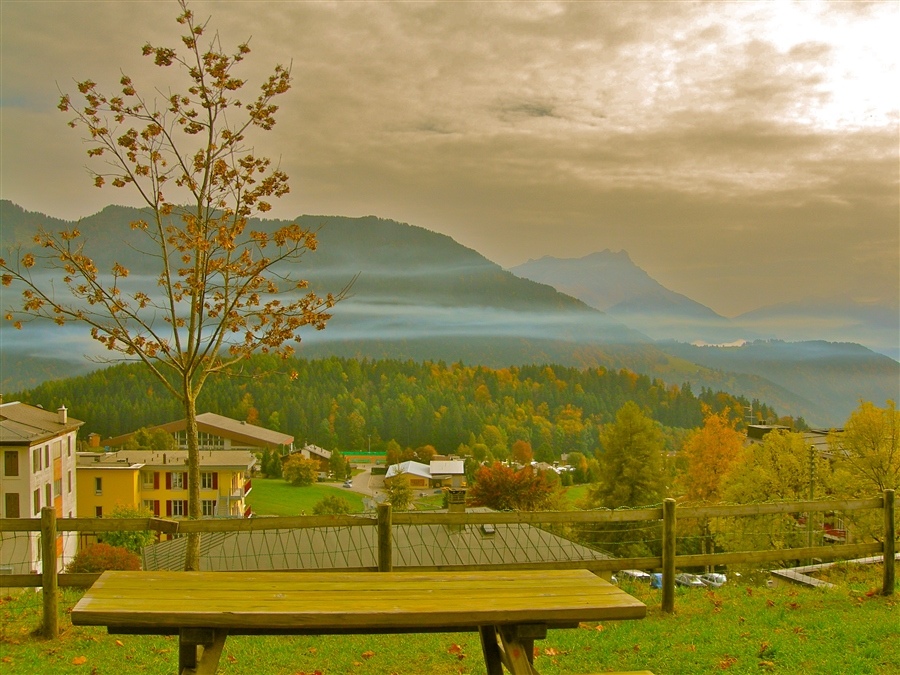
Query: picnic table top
{"type": "Point", "coordinates": [360, 602]}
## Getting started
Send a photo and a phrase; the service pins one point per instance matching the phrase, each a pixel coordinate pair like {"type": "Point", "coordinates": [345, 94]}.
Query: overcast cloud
{"type": "Point", "coordinates": [743, 153]}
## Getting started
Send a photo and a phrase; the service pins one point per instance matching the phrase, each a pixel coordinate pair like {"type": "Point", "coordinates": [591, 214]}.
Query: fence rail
{"type": "Point", "coordinates": [384, 520]}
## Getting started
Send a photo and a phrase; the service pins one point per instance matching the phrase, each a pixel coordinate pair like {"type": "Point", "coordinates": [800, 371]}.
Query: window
{"type": "Point", "coordinates": [148, 505]}
{"type": "Point", "coordinates": [12, 504]}
{"type": "Point", "coordinates": [47, 456]}
{"type": "Point", "coordinates": [206, 481]}
{"type": "Point", "coordinates": [70, 482]}
{"type": "Point", "coordinates": [11, 463]}
{"type": "Point", "coordinates": [98, 486]}
{"type": "Point", "coordinates": [36, 460]}
{"type": "Point", "coordinates": [147, 480]}
{"type": "Point", "coordinates": [98, 511]}
{"type": "Point", "coordinates": [48, 495]}
{"type": "Point", "coordinates": [37, 501]}
{"type": "Point", "coordinates": [177, 507]}
{"type": "Point", "coordinates": [57, 487]}
{"type": "Point", "coordinates": [177, 480]}
{"type": "Point", "coordinates": [208, 507]}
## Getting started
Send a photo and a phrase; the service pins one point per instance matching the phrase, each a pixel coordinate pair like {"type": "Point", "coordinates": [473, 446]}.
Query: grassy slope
{"type": "Point", "coordinates": [736, 629]}
{"type": "Point", "coordinates": [275, 497]}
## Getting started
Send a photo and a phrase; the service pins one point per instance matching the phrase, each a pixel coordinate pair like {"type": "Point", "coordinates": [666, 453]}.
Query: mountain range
{"type": "Point", "coordinates": [421, 295]}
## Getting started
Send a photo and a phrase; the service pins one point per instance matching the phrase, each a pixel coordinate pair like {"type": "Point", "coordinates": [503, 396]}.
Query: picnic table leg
{"type": "Point", "coordinates": [510, 646]}
{"type": "Point", "coordinates": [491, 650]}
{"type": "Point", "coordinates": [199, 650]}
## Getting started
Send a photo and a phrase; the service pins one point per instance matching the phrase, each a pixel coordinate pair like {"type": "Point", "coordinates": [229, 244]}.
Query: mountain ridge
{"type": "Point", "coordinates": [421, 295]}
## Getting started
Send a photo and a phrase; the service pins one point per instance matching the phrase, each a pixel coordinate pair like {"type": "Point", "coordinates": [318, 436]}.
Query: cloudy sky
{"type": "Point", "coordinates": [743, 153]}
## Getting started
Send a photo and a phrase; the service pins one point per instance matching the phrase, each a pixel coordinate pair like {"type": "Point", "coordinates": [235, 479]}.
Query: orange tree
{"type": "Point", "coordinates": [223, 290]}
{"type": "Point", "coordinates": [503, 488]}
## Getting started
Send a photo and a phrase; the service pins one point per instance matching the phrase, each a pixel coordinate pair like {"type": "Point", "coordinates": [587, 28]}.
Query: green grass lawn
{"type": "Point", "coordinates": [576, 493]}
{"type": "Point", "coordinates": [737, 629]}
{"type": "Point", "coordinates": [276, 497]}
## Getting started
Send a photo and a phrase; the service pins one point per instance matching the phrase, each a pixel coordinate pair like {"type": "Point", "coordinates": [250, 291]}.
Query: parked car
{"type": "Point", "coordinates": [348, 484]}
{"type": "Point", "coordinates": [713, 579]}
{"type": "Point", "coordinates": [691, 580]}
{"type": "Point", "coordinates": [634, 575]}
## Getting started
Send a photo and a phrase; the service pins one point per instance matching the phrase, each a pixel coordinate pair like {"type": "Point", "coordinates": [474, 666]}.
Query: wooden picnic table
{"type": "Point", "coordinates": [510, 609]}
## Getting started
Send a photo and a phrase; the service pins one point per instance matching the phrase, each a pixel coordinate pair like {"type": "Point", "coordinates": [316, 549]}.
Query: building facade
{"type": "Point", "coordinates": [156, 481]}
{"type": "Point", "coordinates": [38, 470]}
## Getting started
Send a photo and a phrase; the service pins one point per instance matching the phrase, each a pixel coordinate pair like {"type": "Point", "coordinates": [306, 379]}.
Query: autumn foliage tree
{"type": "Point", "coordinates": [503, 488]}
{"type": "Point", "coordinates": [300, 471]}
{"type": "Point", "coordinates": [221, 290]}
{"type": "Point", "coordinates": [709, 454]}
{"type": "Point", "coordinates": [869, 447]}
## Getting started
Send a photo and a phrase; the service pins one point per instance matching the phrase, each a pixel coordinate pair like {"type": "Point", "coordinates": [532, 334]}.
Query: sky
{"type": "Point", "coordinates": [743, 153]}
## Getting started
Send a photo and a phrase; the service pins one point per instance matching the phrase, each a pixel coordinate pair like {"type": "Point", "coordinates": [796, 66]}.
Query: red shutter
{"type": "Point", "coordinates": [184, 507]}
{"type": "Point", "coordinates": [168, 481]}
{"type": "Point", "coordinates": [156, 481]}
{"type": "Point", "coordinates": [184, 485]}
{"type": "Point", "coordinates": [215, 481]}
{"type": "Point", "coordinates": [169, 507]}
{"type": "Point", "coordinates": [156, 508]}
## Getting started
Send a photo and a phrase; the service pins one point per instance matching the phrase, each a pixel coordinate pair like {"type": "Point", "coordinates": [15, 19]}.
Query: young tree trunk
{"type": "Point", "coordinates": [192, 551]}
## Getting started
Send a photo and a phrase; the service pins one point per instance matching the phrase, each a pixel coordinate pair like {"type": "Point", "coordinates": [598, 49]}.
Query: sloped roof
{"type": "Point", "coordinates": [411, 467]}
{"type": "Point", "coordinates": [248, 434]}
{"type": "Point", "coordinates": [165, 460]}
{"type": "Point", "coordinates": [353, 547]}
{"type": "Point", "coordinates": [448, 467]}
{"type": "Point", "coordinates": [23, 424]}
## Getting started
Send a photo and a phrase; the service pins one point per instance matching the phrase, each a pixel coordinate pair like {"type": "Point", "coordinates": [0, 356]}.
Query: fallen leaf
{"type": "Point", "coordinates": [119, 643]}
{"type": "Point", "coordinates": [550, 651]}
{"type": "Point", "coordinates": [312, 650]}
{"type": "Point", "coordinates": [232, 659]}
{"type": "Point", "coordinates": [79, 660]}
{"type": "Point", "coordinates": [767, 665]}
{"type": "Point", "coordinates": [368, 655]}
{"type": "Point", "coordinates": [727, 662]}
{"type": "Point", "coordinates": [770, 603]}
{"type": "Point", "coordinates": [691, 648]}
{"type": "Point", "coordinates": [599, 627]}
{"type": "Point", "coordinates": [455, 649]}
{"type": "Point", "coordinates": [749, 591]}
{"type": "Point", "coordinates": [872, 592]}
{"type": "Point", "coordinates": [6, 659]}
{"type": "Point", "coordinates": [535, 652]}
{"type": "Point", "coordinates": [794, 605]}
{"type": "Point", "coordinates": [636, 648]}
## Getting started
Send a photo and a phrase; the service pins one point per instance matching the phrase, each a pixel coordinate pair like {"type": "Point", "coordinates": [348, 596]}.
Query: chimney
{"type": "Point", "coordinates": [63, 414]}
{"type": "Point", "coordinates": [456, 500]}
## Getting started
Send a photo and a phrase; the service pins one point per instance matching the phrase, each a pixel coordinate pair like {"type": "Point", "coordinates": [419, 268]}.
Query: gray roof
{"type": "Point", "coordinates": [247, 434]}
{"type": "Point", "coordinates": [23, 424]}
{"type": "Point", "coordinates": [168, 459]}
{"type": "Point", "coordinates": [353, 547]}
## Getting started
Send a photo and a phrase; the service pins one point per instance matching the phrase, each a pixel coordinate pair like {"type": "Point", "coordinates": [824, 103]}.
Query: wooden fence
{"type": "Point", "coordinates": [384, 520]}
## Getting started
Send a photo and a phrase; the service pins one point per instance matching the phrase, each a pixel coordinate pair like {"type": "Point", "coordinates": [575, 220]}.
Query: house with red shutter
{"type": "Point", "coordinates": [156, 481]}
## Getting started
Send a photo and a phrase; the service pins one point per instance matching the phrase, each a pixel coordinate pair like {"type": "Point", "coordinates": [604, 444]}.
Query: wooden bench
{"type": "Point", "coordinates": [509, 609]}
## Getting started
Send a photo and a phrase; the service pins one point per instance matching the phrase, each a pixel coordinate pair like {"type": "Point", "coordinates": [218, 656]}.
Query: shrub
{"type": "Point", "coordinates": [102, 557]}
{"type": "Point", "coordinates": [331, 505]}
{"type": "Point", "coordinates": [300, 471]}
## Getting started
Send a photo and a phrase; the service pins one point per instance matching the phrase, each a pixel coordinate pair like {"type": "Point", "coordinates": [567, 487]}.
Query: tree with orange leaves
{"type": "Point", "coordinates": [710, 452]}
{"type": "Point", "coordinates": [218, 291]}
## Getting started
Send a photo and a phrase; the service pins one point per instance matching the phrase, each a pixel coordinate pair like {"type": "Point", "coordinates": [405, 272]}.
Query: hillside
{"type": "Point", "coordinates": [421, 295]}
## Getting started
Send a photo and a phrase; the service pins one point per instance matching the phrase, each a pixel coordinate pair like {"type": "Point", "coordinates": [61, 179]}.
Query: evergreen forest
{"type": "Point", "coordinates": [353, 405]}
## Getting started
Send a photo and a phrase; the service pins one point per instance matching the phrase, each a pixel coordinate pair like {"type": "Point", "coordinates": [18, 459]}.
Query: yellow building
{"type": "Point", "coordinates": [157, 481]}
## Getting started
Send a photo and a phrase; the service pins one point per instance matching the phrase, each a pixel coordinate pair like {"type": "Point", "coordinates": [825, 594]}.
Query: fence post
{"type": "Point", "coordinates": [668, 556]}
{"type": "Point", "coordinates": [385, 547]}
{"type": "Point", "coordinates": [890, 534]}
{"type": "Point", "coordinates": [49, 581]}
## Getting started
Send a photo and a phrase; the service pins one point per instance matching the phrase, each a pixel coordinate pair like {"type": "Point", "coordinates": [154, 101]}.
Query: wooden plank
{"type": "Point", "coordinates": [531, 517]}
{"type": "Point", "coordinates": [363, 602]}
{"type": "Point", "coordinates": [787, 507]}
{"type": "Point", "coordinates": [824, 552]}
{"type": "Point", "coordinates": [280, 523]}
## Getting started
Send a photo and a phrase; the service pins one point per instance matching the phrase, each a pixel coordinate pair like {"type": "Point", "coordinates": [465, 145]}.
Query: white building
{"type": "Point", "coordinates": [38, 470]}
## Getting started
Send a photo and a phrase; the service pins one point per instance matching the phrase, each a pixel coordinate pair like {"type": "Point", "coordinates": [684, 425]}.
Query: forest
{"type": "Point", "coordinates": [351, 404]}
